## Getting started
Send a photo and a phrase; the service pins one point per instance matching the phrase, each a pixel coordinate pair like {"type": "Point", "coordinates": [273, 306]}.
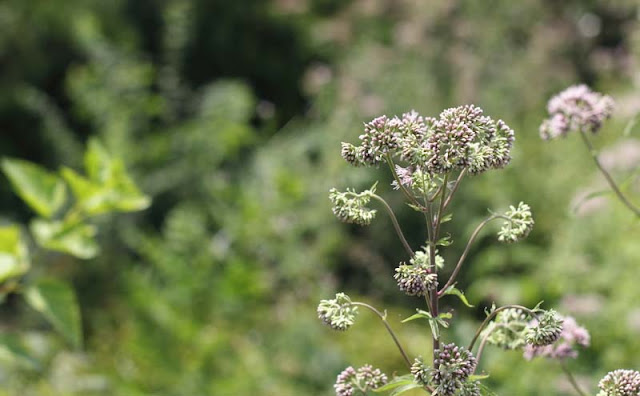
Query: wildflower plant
{"type": "Point", "coordinates": [428, 159]}
{"type": "Point", "coordinates": [580, 110]}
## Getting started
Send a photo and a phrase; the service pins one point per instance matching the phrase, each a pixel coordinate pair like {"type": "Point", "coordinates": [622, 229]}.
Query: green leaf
{"type": "Point", "coordinates": [14, 257]}
{"type": "Point", "coordinates": [395, 383]}
{"type": "Point", "coordinates": [445, 241]}
{"type": "Point", "coordinates": [12, 352]}
{"type": "Point", "coordinates": [76, 239]}
{"type": "Point", "coordinates": [405, 388]}
{"type": "Point", "coordinates": [420, 315]}
{"type": "Point", "coordinates": [456, 292]}
{"type": "Point", "coordinates": [478, 377]}
{"type": "Point", "coordinates": [57, 301]}
{"type": "Point", "coordinates": [97, 161]}
{"type": "Point", "coordinates": [446, 218]}
{"type": "Point", "coordinates": [42, 190]}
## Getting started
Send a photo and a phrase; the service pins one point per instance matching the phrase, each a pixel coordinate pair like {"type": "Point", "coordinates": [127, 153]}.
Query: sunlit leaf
{"type": "Point", "coordinates": [76, 239]}
{"type": "Point", "coordinates": [42, 190]}
{"type": "Point", "coordinates": [456, 292]}
{"type": "Point", "coordinates": [57, 302]}
{"type": "Point", "coordinates": [14, 258]}
{"type": "Point", "coordinates": [395, 383]}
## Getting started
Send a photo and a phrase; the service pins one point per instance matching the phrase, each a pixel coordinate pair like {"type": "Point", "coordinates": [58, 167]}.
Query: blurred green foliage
{"type": "Point", "coordinates": [230, 114]}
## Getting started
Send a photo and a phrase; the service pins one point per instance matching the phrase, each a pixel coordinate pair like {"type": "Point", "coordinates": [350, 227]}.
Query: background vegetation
{"type": "Point", "coordinates": [229, 115]}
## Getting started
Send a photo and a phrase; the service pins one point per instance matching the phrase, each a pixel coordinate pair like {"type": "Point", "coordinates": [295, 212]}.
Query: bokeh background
{"type": "Point", "coordinates": [230, 115]}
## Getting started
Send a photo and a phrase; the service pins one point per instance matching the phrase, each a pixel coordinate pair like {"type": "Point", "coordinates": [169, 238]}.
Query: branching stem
{"type": "Point", "coordinates": [456, 270]}
{"type": "Point", "coordinates": [383, 317]}
{"type": "Point", "coordinates": [607, 176]}
{"type": "Point", "coordinates": [493, 315]}
{"type": "Point", "coordinates": [396, 225]}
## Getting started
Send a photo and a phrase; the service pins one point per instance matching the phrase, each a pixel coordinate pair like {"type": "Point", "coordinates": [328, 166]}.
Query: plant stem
{"type": "Point", "coordinates": [454, 188]}
{"type": "Point", "coordinates": [493, 315]}
{"type": "Point", "coordinates": [482, 344]}
{"type": "Point", "coordinates": [396, 225]}
{"type": "Point", "coordinates": [391, 333]}
{"type": "Point", "coordinates": [456, 270]}
{"type": "Point", "coordinates": [401, 186]}
{"type": "Point", "coordinates": [607, 176]}
{"type": "Point", "coordinates": [572, 380]}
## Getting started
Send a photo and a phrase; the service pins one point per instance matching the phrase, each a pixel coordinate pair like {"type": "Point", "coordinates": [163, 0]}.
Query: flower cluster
{"type": "Point", "coordinates": [351, 382]}
{"type": "Point", "coordinates": [421, 372]}
{"type": "Point", "coordinates": [351, 207]}
{"type": "Point", "coordinates": [508, 330]}
{"type": "Point", "coordinates": [517, 225]}
{"type": "Point", "coordinates": [338, 313]}
{"type": "Point", "coordinates": [546, 330]}
{"type": "Point", "coordinates": [577, 108]}
{"type": "Point", "coordinates": [461, 138]}
{"type": "Point", "coordinates": [452, 367]}
{"type": "Point", "coordinates": [416, 278]}
{"type": "Point", "coordinates": [620, 383]}
{"type": "Point", "coordinates": [572, 335]}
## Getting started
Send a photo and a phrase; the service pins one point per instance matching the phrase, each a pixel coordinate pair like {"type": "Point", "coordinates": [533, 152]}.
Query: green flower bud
{"type": "Point", "coordinates": [518, 224]}
{"type": "Point", "coordinates": [338, 313]}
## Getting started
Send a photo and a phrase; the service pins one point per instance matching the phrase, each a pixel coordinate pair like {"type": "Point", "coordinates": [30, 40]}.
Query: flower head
{"type": "Point", "coordinates": [416, 278]}
{"type": "Point", "coordinates": [420, 371]}
{"type": "Point", "coordinates": [338, 313]}
{"type": "Point", "coordinates": [620, 383]}
{"type": "Point", "coordinates": [351, 382]}
{"type": "Point", "coordinates": [577, 108]}
{"type": "Point", "coordinates": [452, 367]}
{"type": "Point", "coordinates": [546, 330]}
{"type": "Point", "coordinates": [518, 224]}
{"type": "Point", "coordinates": [461, 138]}
{"type": "Point", "coordinates": [351, 207]}
{"type": "Point", "coordinates": [571, 337]}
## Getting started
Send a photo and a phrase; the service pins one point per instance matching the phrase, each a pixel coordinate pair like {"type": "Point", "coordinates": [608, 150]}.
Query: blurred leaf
{"type": "Point", "coordinates": [629, 127]}
{"type": "Point", "coordinates": [42, 190]}
{"type": "Point", "coordinates": [116, 192]}
{"type": "Point", "coordinates": [57, 301]}
{"type": "Point", "coordinates": [13, 353]}
{"type": "Point", "coordinates": [14, 260]}
{"type": "Point", "coordinates": [97, 161]}
{"type": "Point", "coordinates": [405, 388]}
{"type": "Point", "coordinates": [396, 382]}
{"type": "Point", "coordinates": [456, 292]}
{"type": "Point", "coordinates": [76, 239]}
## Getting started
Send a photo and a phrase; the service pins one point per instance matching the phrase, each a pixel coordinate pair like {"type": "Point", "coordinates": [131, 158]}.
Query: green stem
{"type": "Point", "coordinates": [483, 343]}
{"type": "Point", "coordinates": [454, 188]}
{"type": "Point", "coordinates": [493, 315]}
{"type": "Point", "coordinates": [456, 270]}
{"type": "Point", "coordinates": [391, 333]}
{"type": "Point", "coordinates": [396, 225]}
{"type": "Point", "coordinates": [572, 380]}
{"type": "Point", "coordinates": [607, 176]}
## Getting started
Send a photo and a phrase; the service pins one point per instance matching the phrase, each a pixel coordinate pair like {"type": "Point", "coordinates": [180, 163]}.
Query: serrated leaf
{"type": "Point", "coordinates": [42, 190]}
{"type": "Point", "coordinates": [396, 382]}
{"type": "Point", "coordinates": [14, 257]}
{"type": "Point", "coordinates": [12, 352]}
{"type": "Point", "coordinates": [76, 239]}
{"type": "Point", "coordinates": [57, 302]}
{"type": "Point", "coordinates": [456, 292]}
